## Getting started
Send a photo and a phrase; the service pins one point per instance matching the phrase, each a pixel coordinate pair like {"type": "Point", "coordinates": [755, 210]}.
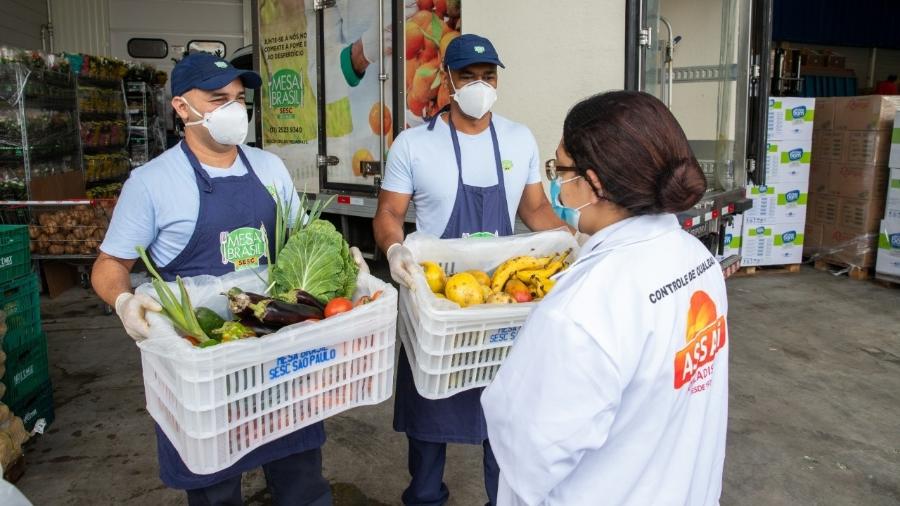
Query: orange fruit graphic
{"type": "Point", "coordinates": [701, 313]}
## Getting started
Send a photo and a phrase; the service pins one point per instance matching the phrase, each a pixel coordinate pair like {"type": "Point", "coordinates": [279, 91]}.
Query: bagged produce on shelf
{"type": "Point", "coordinates": [105, 166]}
{"type": "Point", "coordinates": [107, 191]}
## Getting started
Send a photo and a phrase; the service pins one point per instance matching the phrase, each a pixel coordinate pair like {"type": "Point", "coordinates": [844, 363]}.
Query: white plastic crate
{"type": "Point", "coordinates": [457, 349]}
{"type": "Point", "coordinates": [217, 404]}
{"type": "Point", "coordinates": [447, 382]}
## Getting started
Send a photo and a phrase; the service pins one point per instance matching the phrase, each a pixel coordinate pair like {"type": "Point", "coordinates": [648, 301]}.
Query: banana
{"type": "Point", "coordinates": [509, 267]}
{"type": "Point", "coordinates": [542, 285]}
{"type": "Point", "coordinates": [555, 265]}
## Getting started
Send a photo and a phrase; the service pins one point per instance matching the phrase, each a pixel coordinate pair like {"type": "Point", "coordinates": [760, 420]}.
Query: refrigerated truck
{"type": "Point", "coordinates": [703, 58]}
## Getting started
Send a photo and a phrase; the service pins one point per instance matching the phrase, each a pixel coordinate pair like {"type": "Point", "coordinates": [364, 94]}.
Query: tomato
{"type": "Point", "coordinates": [337, 305]}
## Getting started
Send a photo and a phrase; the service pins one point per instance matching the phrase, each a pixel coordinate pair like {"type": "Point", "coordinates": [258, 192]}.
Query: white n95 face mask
{"type": "Point", "coordinates": [227, 124]}
{"type": "Point", "coordinates": [475, 99]}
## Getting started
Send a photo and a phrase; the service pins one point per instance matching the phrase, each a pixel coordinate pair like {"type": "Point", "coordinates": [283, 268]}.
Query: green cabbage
{"type": "Point", "coordinates": [316, 259]}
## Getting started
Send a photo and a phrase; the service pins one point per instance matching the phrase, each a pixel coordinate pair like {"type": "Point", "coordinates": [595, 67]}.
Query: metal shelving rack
{"type": "Point", "coordinates": [103, 122]}
{"type": "Point", "coordinates": [146, 132]}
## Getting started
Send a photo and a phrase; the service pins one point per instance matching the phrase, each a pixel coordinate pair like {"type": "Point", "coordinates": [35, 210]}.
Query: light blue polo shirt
{"type": "Point", "coordinates": [159, 203]}
{"type": "Point", "coordinates": [421, 163]}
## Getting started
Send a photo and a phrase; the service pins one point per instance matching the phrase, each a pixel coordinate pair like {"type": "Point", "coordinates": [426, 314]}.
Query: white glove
{"type": "Point", "coordinates": [403, 265]}
{"type": "Point", "coordinates": [131, 309]}
{"type": "Point", "coordinates": [358, 258]}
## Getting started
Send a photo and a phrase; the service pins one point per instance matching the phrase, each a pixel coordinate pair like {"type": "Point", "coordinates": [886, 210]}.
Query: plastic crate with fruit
{"type": "Point", "coordinates": [457, 348]}
{"type": "Point", "coordinates": [217, 404]}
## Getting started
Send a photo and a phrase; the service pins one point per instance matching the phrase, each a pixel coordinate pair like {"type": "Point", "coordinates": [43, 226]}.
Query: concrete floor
{"type": "Point", "coordinates": [814, 413]}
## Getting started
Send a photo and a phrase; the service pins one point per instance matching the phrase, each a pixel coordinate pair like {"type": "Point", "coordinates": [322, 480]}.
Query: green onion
{"type": "Point", "coordinates": [180, 312]}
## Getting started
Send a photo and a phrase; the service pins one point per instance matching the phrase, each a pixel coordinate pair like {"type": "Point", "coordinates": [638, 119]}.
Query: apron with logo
{"type": "Point", "coordinates": [235, 223]}
{"type": "Point", "coordinates": [457, 419]}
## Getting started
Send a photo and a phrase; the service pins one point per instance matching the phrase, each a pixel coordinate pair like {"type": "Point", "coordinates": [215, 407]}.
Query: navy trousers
{"type": "Point", "coordinates": [426, 466]}
{"type": "Point", "coordinates": [295, 480]}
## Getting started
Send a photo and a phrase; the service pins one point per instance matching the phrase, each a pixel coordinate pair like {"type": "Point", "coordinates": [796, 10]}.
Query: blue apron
{"type": "Point", "coordinates": [226, 204]}
{"type": "Point", "coordinates": [457, 419]}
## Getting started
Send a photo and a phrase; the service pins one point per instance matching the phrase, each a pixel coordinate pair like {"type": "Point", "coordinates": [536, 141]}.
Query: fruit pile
{"type": "Point", "coordinates": [519, 279]}
{"type": "Point", "coordinates": [427, 33]}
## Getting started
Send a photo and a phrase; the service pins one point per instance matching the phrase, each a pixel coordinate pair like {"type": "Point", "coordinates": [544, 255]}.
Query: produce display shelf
{"type": "Point", "coordinates": [100, 116]}
{"type": "Point", "coordinates": [95, 150]}
{"type": "Point", "coordinates": [55, 103]}
{"type": "Point", "coordinates": [99, 83]}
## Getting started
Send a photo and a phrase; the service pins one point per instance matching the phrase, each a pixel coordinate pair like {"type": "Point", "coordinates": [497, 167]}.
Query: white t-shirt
{"type": "Point", "coordinates": [159, 203]}
{"type": "Point", "coordinates": [421, 163]}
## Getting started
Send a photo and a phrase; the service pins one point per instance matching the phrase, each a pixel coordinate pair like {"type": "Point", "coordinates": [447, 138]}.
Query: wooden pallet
{"type": "Point", "coordinates": [887, 280]}
{"type": "Point", "coordinates": [854, 272]}
{"type": "Point", "coordinates": [15, 470]}
{"type": "Point", "coordinates": [756, 270]}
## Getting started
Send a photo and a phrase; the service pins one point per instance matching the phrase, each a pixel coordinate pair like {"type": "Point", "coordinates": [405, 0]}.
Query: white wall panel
{"type": "Point", "coordinates": [20, 22]}
{"type": "Point", "coordinates": [81, 26]}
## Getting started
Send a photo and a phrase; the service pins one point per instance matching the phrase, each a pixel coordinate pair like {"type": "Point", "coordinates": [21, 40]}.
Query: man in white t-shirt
{"type": "Point", "coordinates": [469, 172]}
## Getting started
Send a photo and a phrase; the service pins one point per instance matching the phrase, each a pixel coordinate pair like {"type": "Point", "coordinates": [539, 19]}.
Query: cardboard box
{"type": "Point", "coordinates": [819, 176]}
{"type": "Point", "coordinates": [772, 244]}
{"type": "Point", "coordinates": [857, 181]}
{"type": "Point", "coordinates": [888, 257]}
{"type": "Point", "coordinates": [823, 209]}
{"type": "Point", "coordinates": [873, 112]}
{"type": "Point", "coordinates": [828, 146]}
{"type": "Point", "coordinates": [812, 239]}
{"type": "Point", "coordinates": [852, 146]}
{"type": "Point", "coordinates": [894, 157]}
{"type": "Point", "coordinates": [893, 185]}
{"type": "Point", "coordinates": [791, 118]}
{"type": "Point", "coordinates": [788, 161]}
{"type": "Point", "coordinates": [861, 215]}
{"type": "Point", "coordinates": [848, 247]}
{"type": "Point", "coordinates": [731, 244]}
{"type": "Point", "coordinates": [776, 204]}
{"type": "Point", "coordinates": [824, 114]}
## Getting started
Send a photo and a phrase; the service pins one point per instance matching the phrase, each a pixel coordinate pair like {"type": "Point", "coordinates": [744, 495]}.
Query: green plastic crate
{"type": "Point", "coordinates": [21, 301]}
{"type": "Point", "coordinates": [21, 337]}
{"type": "Point", "coordinates": [26, 370]}
{"type": "Point", "coordinates": [36, 406]}
{"type": "Point", "coordinates": [15, 256]}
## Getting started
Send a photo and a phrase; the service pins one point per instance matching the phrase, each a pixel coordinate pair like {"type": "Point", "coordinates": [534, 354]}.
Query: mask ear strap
{"type": "Point", "coordinates": [195, 111]}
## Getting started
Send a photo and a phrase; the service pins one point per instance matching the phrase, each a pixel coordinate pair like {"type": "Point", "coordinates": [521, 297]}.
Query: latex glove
{"type": "Point", "coordinates": [358, 258]}
{"type": "Point", "coordinates": [132, 310]}
{"type": "Point", "coordinates": [403, 265]}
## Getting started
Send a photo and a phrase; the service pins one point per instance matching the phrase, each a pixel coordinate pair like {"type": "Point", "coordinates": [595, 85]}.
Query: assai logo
{"type": "Point", "coordinates": [795, 154]}
{"type": "Point", "coordinates": [728, 238]}
{"type": "Point", "coordinates": [705, 337]}
{"type": "Point", "coordinates": [789, 237]}
{"type": "Point", "coordinates": [799, 112]}
{"type": "Point", "coordinates": [763, 189]}
{"type": "Point", "coordinates": [760, 230]}
{"type": "Point", "coordinates": [895, 241]}
{"type": "Point", "coordinates": [792, 196]}
{"type": "Point", "coordinates": [771, 102]}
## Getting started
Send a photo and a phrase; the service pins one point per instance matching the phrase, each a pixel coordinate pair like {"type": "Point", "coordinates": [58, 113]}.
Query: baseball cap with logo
{"type": "Point", "coordinates": [470, 49]}
{"type": "Point", "coordinates": [208, 72]}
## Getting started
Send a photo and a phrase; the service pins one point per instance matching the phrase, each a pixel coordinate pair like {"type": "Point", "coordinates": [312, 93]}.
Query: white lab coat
{"type": "Point", "coordinates": [616, 391]}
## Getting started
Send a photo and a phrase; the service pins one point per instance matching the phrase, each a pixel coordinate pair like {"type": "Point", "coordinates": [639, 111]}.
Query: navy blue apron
{"type": "Point", "coordinates": [456, 419]}
{"type": "Point", "coordinates": [226, 204]}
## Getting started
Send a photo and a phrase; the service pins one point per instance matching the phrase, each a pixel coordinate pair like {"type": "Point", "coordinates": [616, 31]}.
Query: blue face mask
{"type": "Point", "coordinates": [568, 214]}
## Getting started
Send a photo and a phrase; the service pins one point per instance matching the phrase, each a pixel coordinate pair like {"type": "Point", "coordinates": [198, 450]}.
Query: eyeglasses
{"type": "Point", "coordinates": [553, 169]}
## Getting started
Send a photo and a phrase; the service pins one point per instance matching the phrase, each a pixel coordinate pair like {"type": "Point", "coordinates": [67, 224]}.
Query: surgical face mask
{"type": "Point", "coordinates": [227, 124]}
{"type": "Point", "coordinates": [475, 99]}
{"type": "Point", "coordinates": [568, 214]}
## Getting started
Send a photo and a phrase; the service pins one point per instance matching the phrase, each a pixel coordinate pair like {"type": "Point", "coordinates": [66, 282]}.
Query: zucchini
{"type": "Point", "coordinates": [209, 320]}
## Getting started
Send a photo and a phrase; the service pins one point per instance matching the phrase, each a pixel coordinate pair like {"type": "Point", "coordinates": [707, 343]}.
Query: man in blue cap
{"type": "Point", "coordinates": [182, 206]}
{"type": "Point", "coordinates": [469, 172]}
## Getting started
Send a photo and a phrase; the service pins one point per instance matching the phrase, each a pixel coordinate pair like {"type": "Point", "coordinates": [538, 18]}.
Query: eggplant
{"type": "Point", "coordinates": [253, 324]}
{"type": "Point", "coordinates": [239, 302]}
{"type": "Point", "coordinates": [276, 313]}
{"type": "Point", "coordinates": [301, 297]}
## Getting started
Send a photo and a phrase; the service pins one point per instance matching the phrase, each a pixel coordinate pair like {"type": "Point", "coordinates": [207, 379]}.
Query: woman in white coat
{"type": "Point", "coordinates": [616, 391]}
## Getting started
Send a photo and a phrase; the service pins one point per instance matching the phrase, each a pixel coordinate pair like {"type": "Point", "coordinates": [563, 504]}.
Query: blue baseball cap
{"type": "Point", "coordinates": [470, 49]}
{"type": "Point", "coordinates": [208, 72]}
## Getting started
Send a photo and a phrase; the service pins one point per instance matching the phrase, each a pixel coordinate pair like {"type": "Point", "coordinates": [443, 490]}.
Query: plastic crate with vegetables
{"type": "Point", "coordinates": [236, 361]}
{"type": "Point", "coordinates": [469, 302]}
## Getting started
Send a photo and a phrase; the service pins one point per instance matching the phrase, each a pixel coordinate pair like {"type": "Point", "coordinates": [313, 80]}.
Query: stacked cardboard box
{"type": "Point", "coordinates": [887, 265]}
{"type": "Point", "coordinates": [851, 145]}
{"type": "Point", "coordinates": [773, 228]}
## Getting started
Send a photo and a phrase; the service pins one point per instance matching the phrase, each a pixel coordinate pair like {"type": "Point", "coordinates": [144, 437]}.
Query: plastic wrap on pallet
{"type": "Point", "coordinates": [852, 252]}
